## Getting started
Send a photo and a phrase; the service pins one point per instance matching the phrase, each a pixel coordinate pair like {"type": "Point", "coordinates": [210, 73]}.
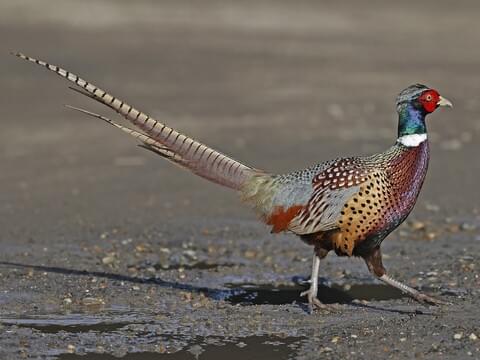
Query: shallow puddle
{"type": "Point", "coordinates": [255, 347]}
{"type": "Point", "coordinates": [109, 321]}
{"type": "Point", "coordinates": [250, 294]}
{"type": "Point", "coordinates": [53, 327]}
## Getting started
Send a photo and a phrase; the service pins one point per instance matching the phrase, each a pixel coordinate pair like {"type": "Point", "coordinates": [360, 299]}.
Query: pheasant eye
{"type": "Point", "coordinates": [429, 97]}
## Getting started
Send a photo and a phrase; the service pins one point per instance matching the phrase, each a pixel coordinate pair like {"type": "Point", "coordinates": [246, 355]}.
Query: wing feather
{"type": "Point", "coordinates": [332, 187]}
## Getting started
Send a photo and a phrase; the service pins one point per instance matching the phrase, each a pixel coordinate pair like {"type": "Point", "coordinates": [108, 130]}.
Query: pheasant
{"type": "Point", "coordinates": [348, 205]}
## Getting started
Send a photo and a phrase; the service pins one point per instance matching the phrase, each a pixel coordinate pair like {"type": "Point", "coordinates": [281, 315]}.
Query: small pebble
{"type": "Point", "coordinates": [187, 296]}
{"type": "Point", "coordinates": [458, 336]}
{"type": "Point", "coordinates": [467, 227]}
{"type": "Point", "coordinates": [418, 225]}
{"type": "Point", "coordinates": [453, 228]}
{"type": "Point", "coordinates": [141, 248]}
{"type": "Point", "coordinates": [110, 258]}
{"type": "Point", "coordinates": [432, 207]}
{"type": "Point", "coordinates": [67, 301]}
{"type": "Point", "coordinates": [126, 241]}
{"type": "Point", "coordinates": [473, 337]}
{"type": "Point", "coordinates": [190, 254]}
{"type": "Point", "coordinates": [335, 111]}
{"type": "Point", "coordinates": [92, 301]}
{"type": "Point", "coordinates": [250, 254]}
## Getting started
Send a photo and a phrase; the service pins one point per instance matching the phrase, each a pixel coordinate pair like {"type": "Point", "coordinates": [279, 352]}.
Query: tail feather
{"type": "Point", "coordinates": [177, 147]}
{"type": "Point", "coordinates": [148, 143]}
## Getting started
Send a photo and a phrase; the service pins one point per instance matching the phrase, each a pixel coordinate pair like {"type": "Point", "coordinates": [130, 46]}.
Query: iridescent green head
{"type": "Point", "coordinates": [413, 104]}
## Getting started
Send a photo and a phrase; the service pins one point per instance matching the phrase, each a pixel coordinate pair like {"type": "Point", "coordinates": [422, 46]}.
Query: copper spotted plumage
{"type": "Point", "coordinates": [348, 205]}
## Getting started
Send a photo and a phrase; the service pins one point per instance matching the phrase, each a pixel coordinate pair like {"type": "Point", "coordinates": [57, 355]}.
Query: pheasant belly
{"type": "Point", "coordinates": [382, 203]}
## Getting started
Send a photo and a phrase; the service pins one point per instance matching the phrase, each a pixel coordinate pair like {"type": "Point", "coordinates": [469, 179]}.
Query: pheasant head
{"type": "Point", "coordinates": [413, 105]}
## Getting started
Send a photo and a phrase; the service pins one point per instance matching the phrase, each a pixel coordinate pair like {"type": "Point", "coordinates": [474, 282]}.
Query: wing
{"type": "Point", "coordinates": [309, 200]}
{"type": "Point", "coordinates": [331, 190]}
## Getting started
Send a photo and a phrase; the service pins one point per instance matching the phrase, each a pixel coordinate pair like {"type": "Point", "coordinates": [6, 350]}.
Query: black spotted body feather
{"type": "Point", "coordinates": [362, 198]}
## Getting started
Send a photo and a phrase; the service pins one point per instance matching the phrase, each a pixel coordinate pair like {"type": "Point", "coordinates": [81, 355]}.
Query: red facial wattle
{"type": "Point", "coordinates": [429, 100]}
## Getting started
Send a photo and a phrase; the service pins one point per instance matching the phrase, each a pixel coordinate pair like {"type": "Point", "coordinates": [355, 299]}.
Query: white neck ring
{"type": "Point", "coordinates": [412, 140]}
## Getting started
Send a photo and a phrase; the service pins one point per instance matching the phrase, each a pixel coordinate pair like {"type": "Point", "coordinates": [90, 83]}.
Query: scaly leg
{"type": "Point", "coordinates": [417, 295]}
{"type": "Point", "coordinates": [374, 263]}
{"type": "Point", "coordinates": [311, 293]}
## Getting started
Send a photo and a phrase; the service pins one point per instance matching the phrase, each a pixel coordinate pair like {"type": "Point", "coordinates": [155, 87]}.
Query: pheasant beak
{"type": "Point", "coordinates": [444, 102]}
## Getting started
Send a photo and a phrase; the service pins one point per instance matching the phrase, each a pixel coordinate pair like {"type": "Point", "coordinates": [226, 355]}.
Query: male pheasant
{"type": "Point", "coordinates": [348, 205]}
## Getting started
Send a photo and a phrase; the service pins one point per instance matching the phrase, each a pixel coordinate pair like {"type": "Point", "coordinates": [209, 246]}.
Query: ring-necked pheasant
{"type": "Point", "coordinates": [348, 205]}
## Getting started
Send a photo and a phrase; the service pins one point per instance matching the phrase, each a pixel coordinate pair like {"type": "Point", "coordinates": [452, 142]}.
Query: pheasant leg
{"type": "Point", "coordinates": [415, 294]}
{"type": "Point", "coordinates": [312, 292]}
{"type": "Point", "coordinates": [374, 263]}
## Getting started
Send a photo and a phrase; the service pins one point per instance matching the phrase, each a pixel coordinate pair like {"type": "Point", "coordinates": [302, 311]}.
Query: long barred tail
{"type": "Point", "coordinates": [147, 142]}
{"type": "Point", "coordinates": [171, 144]}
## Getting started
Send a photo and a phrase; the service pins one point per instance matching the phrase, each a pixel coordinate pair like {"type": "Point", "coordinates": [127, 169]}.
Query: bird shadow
{"type": "Point", "coordinates": [415, 311]}
{"type": "Point", "coordinates": [235, 294]}
{"type": "Point", "coordinates": [218, 294]}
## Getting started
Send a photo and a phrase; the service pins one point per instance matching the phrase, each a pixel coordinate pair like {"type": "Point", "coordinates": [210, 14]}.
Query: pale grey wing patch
{"type": "Point", "coordinates": [312, 188]}
{"type": "Point", "coordinates": [268, 192]}
{"type": "Point", "coordinates": [292, 194]}
{"type": "Point", "coordinates": [296, 188]}
{"type": "Point", "coordinates": [322, 211]}
{"type": "Point", "coordinates": [321, 190]}
{"type": "Point", "coordinates": [333, 186]}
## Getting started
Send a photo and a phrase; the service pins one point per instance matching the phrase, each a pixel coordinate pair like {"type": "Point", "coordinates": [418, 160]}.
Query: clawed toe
{"type": "Point", "coordinates": [305, 293]}
{"type": "Point", "coordinates": [318, 305]}
{"type": "Point", "coordinates": [315, 304]}
{"type": "Point", "coordinates": [425, 299]}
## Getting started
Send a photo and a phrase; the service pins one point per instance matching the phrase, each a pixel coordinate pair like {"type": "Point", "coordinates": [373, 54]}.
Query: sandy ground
{"type": "Point", "coordinates": [108, 251]}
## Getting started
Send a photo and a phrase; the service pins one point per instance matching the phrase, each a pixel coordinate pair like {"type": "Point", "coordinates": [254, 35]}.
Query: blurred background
{"type": "Point", "coordinates": [279, 85]}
